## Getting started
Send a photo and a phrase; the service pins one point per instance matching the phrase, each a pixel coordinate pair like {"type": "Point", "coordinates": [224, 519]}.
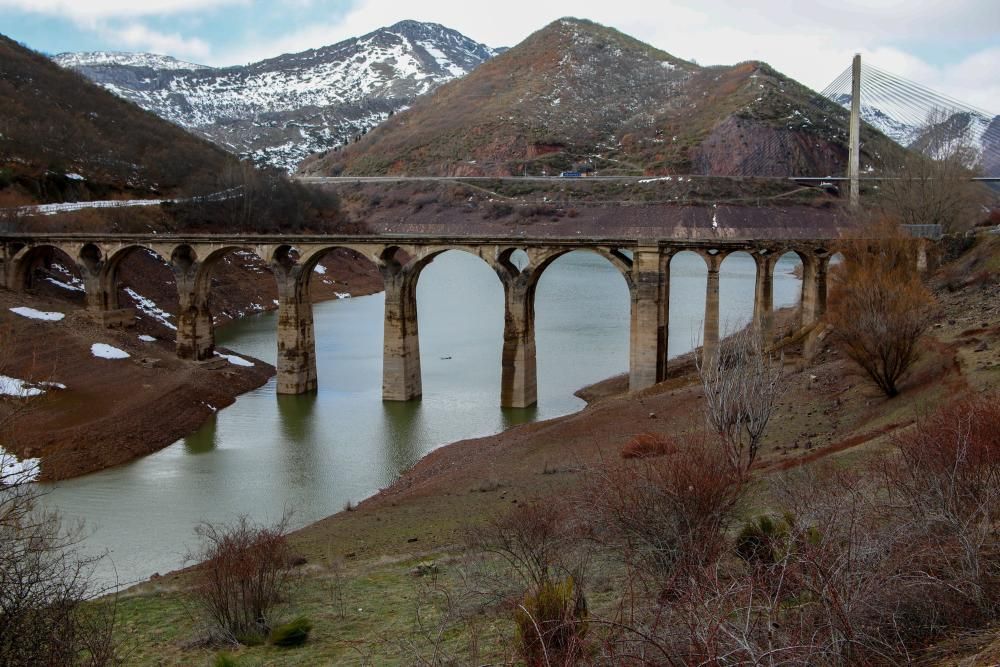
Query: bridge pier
{"type": "Point", "coordinates": [296, 364]}
{"type": "Point", "coordinates": [401, 343]}
{"type": "Point", "coordinates": [195, 329]}
{"type": "Point", "coordinates": [650, 311]}
{"type": "Point", "coordinates": [763, 303]}
{"type": "Point", "coordinates": [519, 379]}
{"type": "Point", "coordinates": [710, 338]}
{"type": "Point", "coordinates": [814, 285]}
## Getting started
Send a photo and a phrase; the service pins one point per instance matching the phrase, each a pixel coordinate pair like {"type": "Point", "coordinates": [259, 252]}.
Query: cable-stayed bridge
{"type": "Point", "coordinates": [918, 117]}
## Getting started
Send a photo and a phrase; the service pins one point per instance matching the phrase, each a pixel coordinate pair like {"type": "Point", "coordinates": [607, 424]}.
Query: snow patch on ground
{"type": "Point", "coordinates": [149, 307]}
{"type": "Point", "coordinates": [145, 338]}
{"type": "Point", "coordinates": [236, 361]}
{"type": "Point", "coordinates": [343, 295]}
{"type": "Point", "coordinates": [104, 351]}
{"type": "Point", "coordinates": [15, 471]}
{"type": "Point", "coordinates": [320, 269]}
{"type": "Point", "coordinates": [18, 388]}
{"type": "Point", "coordinates": [65, 286]}
{"type": "Point", "coordinates": [33, 314]}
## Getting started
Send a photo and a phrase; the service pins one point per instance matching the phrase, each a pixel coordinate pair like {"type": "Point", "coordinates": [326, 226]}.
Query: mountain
{"type": "Point", "coordinates": [64, 139]}
{"type": "Point", "coordinates": [578, 95]}
{"type": "Point", "coordinates": [940, 136]}
{"type": "Point", "coordinates": [280, 110]}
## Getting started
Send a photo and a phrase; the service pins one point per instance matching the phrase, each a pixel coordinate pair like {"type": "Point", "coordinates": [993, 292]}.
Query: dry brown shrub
{"type": "Point", "coordinates": [879, 307]}
{"type": "Point", "coordinates": [243, 578]}
{"type": "Point", "coordinates": [666, 517]}
{"type": "Point", "coordinates": [946, 483]}
{"type": "Point", "coordinates": [648, 445]}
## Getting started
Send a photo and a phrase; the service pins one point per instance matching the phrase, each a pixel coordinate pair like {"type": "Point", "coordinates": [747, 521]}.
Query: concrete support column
{"type": "Point", "coordinates": [519, 381]}
{"type": "Point", "coordinates": [98, 299]}
{"type": "Point", "coordinates": [650, 303]}
{"type": "Point", "coordinates": [814, 290]}
{"type": "Point", "coordinates": [763, 303]}
{"type": "Point", "coordinates": [296, 334]}
{"type": "Point", "coordinates": [401, 342]}
{"type": "Point", "coordinates": [710, 340]}
{"type": "Point", "coordinates": [813, 303]}
{"type": "Point", "coordinates": [195, 329]}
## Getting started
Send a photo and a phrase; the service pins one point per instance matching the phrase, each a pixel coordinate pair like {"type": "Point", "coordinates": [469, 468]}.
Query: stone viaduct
{"type": "Point", "coordinates": [645, 265]}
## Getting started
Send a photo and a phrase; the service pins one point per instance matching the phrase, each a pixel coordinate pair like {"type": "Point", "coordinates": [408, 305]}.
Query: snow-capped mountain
{"type": "Point", "coordinates": [941, 136]}
{"type": "Point", "coordinates": [279, 111]}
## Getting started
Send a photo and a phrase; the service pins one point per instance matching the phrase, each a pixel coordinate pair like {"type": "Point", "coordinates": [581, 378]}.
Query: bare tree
{"type": "Point", "coordinates": [879, 307]}
{"type": "Point", "coordinates": [742, 384]}
{"type": "Point", "coordinates": [934, 186]}
{"type": "Point", "coordinates": [46, 579]}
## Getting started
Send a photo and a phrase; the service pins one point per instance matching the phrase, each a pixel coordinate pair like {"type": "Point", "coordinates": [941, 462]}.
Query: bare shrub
{"type": "Point", "coordinates": [946, 486]}
{"type": "Point", "coordinates": [666, 516]}
{"type": "Point", "coordinates": [742, 384]}
{"type": "Point", "coordinates": [536, 541]}
{"type": "Point", "coordinates": [879, 308]}
{"type": "Point", "coordinates": [243, 578]}
{"type": "Point", "coordinates": [647, 445]}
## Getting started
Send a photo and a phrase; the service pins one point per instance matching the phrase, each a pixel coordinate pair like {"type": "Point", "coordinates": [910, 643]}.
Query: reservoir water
{"type": "Point", "coordinates": [313, 454]}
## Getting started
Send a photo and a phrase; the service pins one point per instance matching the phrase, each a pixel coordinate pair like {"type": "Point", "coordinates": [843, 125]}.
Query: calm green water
{"type": "Point", "coordinates": [315, 453]}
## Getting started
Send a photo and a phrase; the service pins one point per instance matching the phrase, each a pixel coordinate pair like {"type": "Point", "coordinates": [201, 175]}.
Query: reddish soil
{"type": "Point", "coordinates": [828, 411]}
{"type": "Point", "coordinates": [115, 411]}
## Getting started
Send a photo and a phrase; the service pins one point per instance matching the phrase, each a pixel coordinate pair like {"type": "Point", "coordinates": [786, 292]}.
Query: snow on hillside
{"type": "Point", "coordinates": [281, 110]}
{"type": "Point", "coordinates": [123, 59]}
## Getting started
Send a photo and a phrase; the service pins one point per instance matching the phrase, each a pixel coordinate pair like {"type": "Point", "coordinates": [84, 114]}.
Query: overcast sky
{"type": "Point", "coordinates": [952, 46]}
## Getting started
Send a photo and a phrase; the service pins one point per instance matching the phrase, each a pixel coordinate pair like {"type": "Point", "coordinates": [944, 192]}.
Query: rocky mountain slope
{"type": "Point", "coordinates": [64, 139]}
{"type": "Point", "coordinates": [280, 110]}
{"type": "Point", "coordinates": [579, 95]}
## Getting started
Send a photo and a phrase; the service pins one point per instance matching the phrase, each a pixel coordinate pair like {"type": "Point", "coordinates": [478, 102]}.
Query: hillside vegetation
{"type": "Point", "coordinates": [63, 138]}
{"type": "Point", "coordinates": [580, 95]}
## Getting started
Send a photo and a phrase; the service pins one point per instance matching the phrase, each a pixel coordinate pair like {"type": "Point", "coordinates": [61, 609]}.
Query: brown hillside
{"type": "Point", "coordinates": [54, 122]}
{"type": "Point", "coordinates": [579, 95]}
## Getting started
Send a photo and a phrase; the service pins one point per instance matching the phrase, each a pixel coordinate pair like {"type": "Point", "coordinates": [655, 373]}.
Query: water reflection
{"type": "Point", "coordinates": [316, 452]}
{"type": "Point", "coordinates": [295, 414]}
{"type": "Point", "coordinates": [204, 440]}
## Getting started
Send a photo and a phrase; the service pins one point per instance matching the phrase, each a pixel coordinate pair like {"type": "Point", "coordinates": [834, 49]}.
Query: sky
{"type": "Point", "coordinates": [952, 46]}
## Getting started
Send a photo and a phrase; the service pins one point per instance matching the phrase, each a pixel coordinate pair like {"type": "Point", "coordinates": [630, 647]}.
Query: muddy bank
{"type": "Point", "coordinates": [113, 412]}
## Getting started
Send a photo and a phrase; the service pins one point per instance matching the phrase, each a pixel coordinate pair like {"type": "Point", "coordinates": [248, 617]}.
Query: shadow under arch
{"type": "Point", "coordinates": [111, 279]}
{"type": "Point", "coordinates": [209, 264]}
{"type": "Point", "coordinates": [32, 259]}
{"type": "Point", "coordinates": [388, 262]}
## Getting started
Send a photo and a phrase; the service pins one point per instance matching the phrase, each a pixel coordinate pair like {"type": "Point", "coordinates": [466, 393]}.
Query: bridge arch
{"type": "Point", "coordinates": [111, 274]}
{"type": "Point", "coordinates": [601, 302]}
{"type": "Point", "coordinates": [617, 257]}
{"type": "Point", "coordinates": [737, 279]}
{"type": "Point", "coordinates": [30, 258]}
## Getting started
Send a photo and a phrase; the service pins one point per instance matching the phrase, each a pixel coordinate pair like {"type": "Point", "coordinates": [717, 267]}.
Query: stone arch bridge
{"type": "Point", "coordinates": [518, 262]}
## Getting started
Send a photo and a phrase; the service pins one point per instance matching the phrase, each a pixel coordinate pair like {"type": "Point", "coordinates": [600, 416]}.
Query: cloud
{"type": "Point", "coordinates": [91, 12]}
{"type": "Point", "coordinates": [138, 37]}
